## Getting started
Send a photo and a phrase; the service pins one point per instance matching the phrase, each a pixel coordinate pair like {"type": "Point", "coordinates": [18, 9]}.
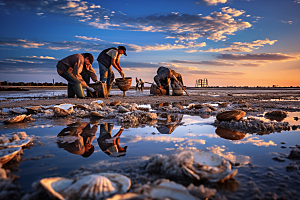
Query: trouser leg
{"type": "Point", "coordinates": [76, 84]}
{"type": "Point", "coordinates": [110, 79]}
{"type": "Point", "coordinates": [103, 72]}
{"type": "Point", "coordinates": [71, 92]}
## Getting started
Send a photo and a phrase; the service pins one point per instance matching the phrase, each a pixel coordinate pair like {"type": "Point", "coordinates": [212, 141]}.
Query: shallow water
{"type": "Point", "coordinates": [48, 157]}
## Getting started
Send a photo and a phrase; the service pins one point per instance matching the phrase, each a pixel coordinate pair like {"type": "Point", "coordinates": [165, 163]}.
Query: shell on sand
{"type": "Point", "coordinates": [33, 109]}
{"type": "Point", "coordinates": [8, 153]}
{"type": "Point", "coordinates": [80, 106]}
{"type": "Point", "coordinates": [97, 102]}
{"type": "Point", "coordinates": [94, 186]}
{"type": "Point", "coordinates": [16, 119]}
{"type": "Point", "coordinates": [63, 110]}
{"type": "Point", "coordinates": [115, 103]}
{"type": "Point", "coordinates": [231, 115]}
{"type": "Point", "coordinates": [96, 114]}
{"type": "Point", "coordinates": [229, 134]}
{"type": "Point", "coordinates": [123, 109]}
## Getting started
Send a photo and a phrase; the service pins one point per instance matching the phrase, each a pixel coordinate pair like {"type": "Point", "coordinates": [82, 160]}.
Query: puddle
{"type": "Point", "coordinates": [66, 145]}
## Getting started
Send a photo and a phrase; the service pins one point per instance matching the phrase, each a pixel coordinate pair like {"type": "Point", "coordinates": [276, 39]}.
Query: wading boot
{"type": "Point", "coordinates": [78, 91]}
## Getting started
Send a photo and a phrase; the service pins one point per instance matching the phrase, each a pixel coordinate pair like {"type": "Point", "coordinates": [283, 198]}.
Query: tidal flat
{"type": "Point", "coordinates": [124, 135]}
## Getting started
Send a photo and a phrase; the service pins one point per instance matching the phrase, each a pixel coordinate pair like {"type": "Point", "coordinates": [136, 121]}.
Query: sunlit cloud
{"type": "Point", "coordinates": [258, 56]}
{"type": "Point", "coordinates": [88, 38]}
{"type": "Point", "coordinates": [182, 26]}
{"type": "Point", "coordinates": [242, 46]}
{"type": "Point", "coordinates": [255, 141]}
{"type": "Point", "coordinates": [229, 155]}
{"type": "Point", "coordinates": [287, 22]}
{"type": "Point", "coordinates": [234, 12]}
{"type": "Point", "coordinates": [20, 42]}
{"type": "Point", "coordinates": [212, 62]}
{"type": "Point", "coordinates": [212, 2]}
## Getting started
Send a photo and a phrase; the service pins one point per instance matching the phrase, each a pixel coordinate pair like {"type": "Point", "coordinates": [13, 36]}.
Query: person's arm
{"type": "Point", "coordinates": [114, 64]}
{"type": "Point", "coordinates": [91, 72]}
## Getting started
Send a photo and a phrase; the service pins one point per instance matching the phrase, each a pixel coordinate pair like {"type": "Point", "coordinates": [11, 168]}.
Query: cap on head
{"type": "Point", "coordinates": [123, 48]}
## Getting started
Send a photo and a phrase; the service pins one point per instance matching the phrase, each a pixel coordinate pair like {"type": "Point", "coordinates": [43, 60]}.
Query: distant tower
{"type": "Point", "coordinates": [201, 83]}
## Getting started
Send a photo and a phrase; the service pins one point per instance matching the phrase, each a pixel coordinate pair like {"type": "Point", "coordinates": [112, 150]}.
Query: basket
{"type": "Point", "coordinates": [177, 92]}
{"type": "Point", "coordinates": [155, 91]}
{"type": "Point", "coordinates": [124, 84]}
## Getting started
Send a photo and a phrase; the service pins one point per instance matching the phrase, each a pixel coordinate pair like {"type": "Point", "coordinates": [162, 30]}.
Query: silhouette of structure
{"type": "Point", "coordinates": [201, 83]}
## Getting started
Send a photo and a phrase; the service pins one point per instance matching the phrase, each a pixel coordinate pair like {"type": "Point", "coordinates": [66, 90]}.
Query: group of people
{"type": "Point", "coordinates": [139, 84]}
{"type": "Point", "coordinates": [77, 70]}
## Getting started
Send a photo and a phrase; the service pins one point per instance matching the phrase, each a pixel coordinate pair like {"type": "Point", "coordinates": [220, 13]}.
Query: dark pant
{"type": "Point", "coordinates": [74, 85]}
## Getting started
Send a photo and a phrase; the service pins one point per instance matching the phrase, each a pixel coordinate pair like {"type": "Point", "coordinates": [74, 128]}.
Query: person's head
{"type": "Point", "coordinates": [88, 58]}
{"type": "Point", "coordinates": [122, 50]}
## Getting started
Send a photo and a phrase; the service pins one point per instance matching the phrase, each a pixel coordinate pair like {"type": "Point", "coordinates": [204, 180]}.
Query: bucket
{"type": "Point", "coordinates": [124, 84]}
{"type": "Point", "coordinates": [100, 90]}
{"type": "Point", "coordinates": [177, 91]}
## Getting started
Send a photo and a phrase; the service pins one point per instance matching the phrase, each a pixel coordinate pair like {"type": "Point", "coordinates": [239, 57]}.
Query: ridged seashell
{"type": "Point", "coordinates": [97, 102]}
{"type": "Point", "coordinates": [16, 119]}
{"type": "Point", "coordinates": [96, 114]}
{"type": "Point", "coordinates": [94, 186]}
{"type": "Point", "coordinates": [229, 134]}
{"type": "Point", "coordinates": [63, 110]}
{"type": "Point", "coordinates": [123, 110]}
{"type": "Point", "coordinates": [231, 115]}
{"type": "Point", "coordinates": [8, 153]}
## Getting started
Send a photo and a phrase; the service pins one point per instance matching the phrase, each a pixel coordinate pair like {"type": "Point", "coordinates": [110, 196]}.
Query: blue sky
{"type": "Point", "coordinates": [230, 42]}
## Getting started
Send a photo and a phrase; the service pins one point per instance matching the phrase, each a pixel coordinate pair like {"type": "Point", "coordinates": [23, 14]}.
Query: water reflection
{"type": "Point", "coordinates": [229, 134]}
{"type": "Point", "coordinates": [168, 122]}
{"type": "Point", "coordinates": [110, 144]}
{"type": "Point", "coordinates": [77, 138]}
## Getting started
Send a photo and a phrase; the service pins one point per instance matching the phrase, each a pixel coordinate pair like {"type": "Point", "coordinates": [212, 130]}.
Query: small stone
{"type": "Point", "coordinates": [279, 159]}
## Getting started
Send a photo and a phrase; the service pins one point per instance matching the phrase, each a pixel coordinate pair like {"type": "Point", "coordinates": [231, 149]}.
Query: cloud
{"type": "Point", "coordinates": [157, 47]}
{"type": "Point", "coordinates": [242, 46]}
{"type": "Point", "coordinates": [229, 155]}
{"type": "Point", "coordinates": [182, 26]}
{"type": "Point", "coordinates": [214, 63]}
{"type": "Point", "coordinates": [258, 56]}
{"type": "Point", "coordinates": [255, 141]}
{"type": "Point", "coordinates": [15, 42]}
{"type": "Point", "coordinates": [88, 38]}
{"type": "Point", "coordinates": [287, 22]}
{"type": "Point", "coordinates": [234, 12]}
{"type": "Point", "coordinates": [212, 72]}
{"type": "Point", "coordinates": [212, 2]}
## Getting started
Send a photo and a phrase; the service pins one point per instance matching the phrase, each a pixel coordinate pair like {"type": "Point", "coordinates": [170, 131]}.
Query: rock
{"type": "Point", "coordinates": [231, 115]}
{"type": "Point", "coordinates": [223, 105]}
{"type": "Point", "coordinates": [294, 154]}
{"type": "Point", "coordinates": [277, 115]}
{"type": "Point", "coordinates": [229, 134]}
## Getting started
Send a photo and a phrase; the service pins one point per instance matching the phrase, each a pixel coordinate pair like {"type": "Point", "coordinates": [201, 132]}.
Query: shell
{"type": "Point", "coordinates": [9, 153]}
{"type": "Point", "coordinates": [123, 109]}
{"type": "Point", "coordinates": [115, 103]}
{"type": "Point", "coordinates": [63, 110]}
{"type": "Point", "coordinates": [97, 102]}
{"type": "Point", "coordinates": [80, 106]}
{"type": "Point", "coordinates": [96, 114]}
{"type": "Point", "coordinates": [231, 115]}
{"type": "Point", "coordinates": [16, 143]}
{"type": "Point", "coordinates": [94, 186]}
{"type": "Point", "coordinates": [16, 119]}
{"type": "Point", "coordinates": [33, 109]}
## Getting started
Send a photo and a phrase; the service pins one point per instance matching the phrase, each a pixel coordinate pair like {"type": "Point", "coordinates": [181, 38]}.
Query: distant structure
{"type": "Point", "coordinates": [201, 83]}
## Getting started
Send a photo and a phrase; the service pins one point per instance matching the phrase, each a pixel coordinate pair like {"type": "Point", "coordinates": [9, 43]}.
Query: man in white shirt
{"type": "Point", "coordinates": [106, 58]}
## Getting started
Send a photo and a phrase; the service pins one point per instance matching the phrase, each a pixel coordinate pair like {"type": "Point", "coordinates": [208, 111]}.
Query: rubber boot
{"type": "Point", "coordinates": [109, 88]}
{"type": "Point", "coordinates": [78, 91]}
{"type": "Point", "coordinates": [71, 93]}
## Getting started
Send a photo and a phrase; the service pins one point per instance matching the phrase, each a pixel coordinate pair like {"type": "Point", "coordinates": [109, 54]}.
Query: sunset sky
{"type": "Point", "coordinates": [229, 42]}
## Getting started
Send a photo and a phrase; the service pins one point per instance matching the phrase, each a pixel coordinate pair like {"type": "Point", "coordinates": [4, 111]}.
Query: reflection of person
{"type": "Point", "coordinates": [110, 144]}
{"type": "Point", "coordinates": [77, 138]}
{"type": "Point", "coordinates": [163, 77]}
{"type": "Point", "coordinates": [172, 122]}
{"type": "Point", "coordinates": [72, 68]}
{"type": "Point", "coordinates": [106, 58]}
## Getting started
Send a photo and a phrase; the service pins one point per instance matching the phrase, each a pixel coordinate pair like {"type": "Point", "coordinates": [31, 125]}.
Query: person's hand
{"type": "Point", "coordinates": [90, 89]}
{"type": "Point", "coordinates": [122, 74]}
{"type": "Point", "coordinates": [97, 82]}
{"type": "Point", "coordinates": [160, 87]}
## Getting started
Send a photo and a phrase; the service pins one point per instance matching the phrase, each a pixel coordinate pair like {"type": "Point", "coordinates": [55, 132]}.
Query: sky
{"type": "Point", "coordinates": [229, 42]}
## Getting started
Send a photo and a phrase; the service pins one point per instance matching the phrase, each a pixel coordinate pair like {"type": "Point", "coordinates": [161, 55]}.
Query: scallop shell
{"type": "Point", "coordinates": [94, 186]}
{"type": "Point", "coordinates": [123, 109]}
{"type": "Point", "coordinates": [63, 110]}
{"type": "Point", "coordinates": [97, 102]}
{"type": "Point", "coordinates": [9, 153]}
{"type": "Point", "coordinates": [80, 106]}
{"type": "Point", "coordinates": [16, 119]}
{"type": "Point", "coordinates": [33, 109]}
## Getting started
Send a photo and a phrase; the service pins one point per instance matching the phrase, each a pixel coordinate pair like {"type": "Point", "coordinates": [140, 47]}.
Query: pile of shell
{"type": "Point", "coordinates": [252, 125]}
{"type": "Point", "coordinates": [196, 165]}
